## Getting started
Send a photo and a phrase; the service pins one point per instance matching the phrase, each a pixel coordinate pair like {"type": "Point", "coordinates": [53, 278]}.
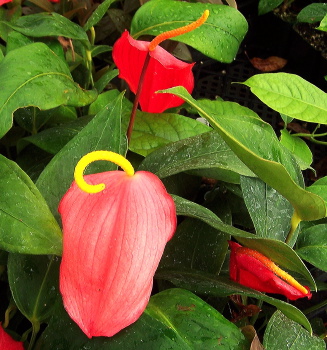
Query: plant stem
{"type": "Point", "coordinates": [36, 328]}
{"type": "Point", "coordinates": [137, 96]}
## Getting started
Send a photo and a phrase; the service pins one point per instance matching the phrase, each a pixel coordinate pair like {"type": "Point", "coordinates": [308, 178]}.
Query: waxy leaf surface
{"type": "Point", "coordinates": [47, 84]}
{"type": "Point", "coordinates": [48, 24]}
{"type": "Point", "coordinates": [283, 333]}
{"type": "Point", "coordinates": [34, 282]}
{"type": "Point", "coordinates": [256, 144]}
{"type": "Point", "coordinates": [291, 95]}
{"type": "Point", "coordinates": [205, 155]}
{"type": "Point", "coordinates": [277, 251]}
{"type": "Point", "coordinates": [103, 132]}
{"type": "Point", "coordinates": [27, 225]}
{"type": "Point", "coordinates": [219, 37]}
{"type": "Point", "coordinates": [213, 285]}
{"type": "Point", "coordinates": [174, 319]}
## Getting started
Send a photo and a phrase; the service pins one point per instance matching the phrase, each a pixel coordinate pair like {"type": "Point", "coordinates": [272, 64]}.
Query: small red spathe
{"type": "Point", "coordinates": [7, 342]}
{"type": "Point", "coordinates": [247, 270]}
{"type": "Point", "coordinates": [112, 244]}
{"type": "Point", "coordinates": [164, 71]}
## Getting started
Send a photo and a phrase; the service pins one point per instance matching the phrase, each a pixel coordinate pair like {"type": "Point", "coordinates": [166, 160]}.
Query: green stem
{"type": "Point", "coordinates": [295, 221]}
{"type": "Point", "coordinates": [137, 97]}
{"type": "Point", "coordinates": [36, 328]}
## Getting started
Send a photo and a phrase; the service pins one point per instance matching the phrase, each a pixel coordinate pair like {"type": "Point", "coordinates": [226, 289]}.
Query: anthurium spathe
{"type": "Point", "coordinates": [2, 2]}
{"type": "Point", "coordinates": [252, 269]}
{"type": "Point", "coordinates": [7, 342]}
{"type": "Point", "coordinates": [112, 244]}
{"type": "Point", "coordinates": [164, 71]}
{"type": "Point", "coordinates": [147, 68]}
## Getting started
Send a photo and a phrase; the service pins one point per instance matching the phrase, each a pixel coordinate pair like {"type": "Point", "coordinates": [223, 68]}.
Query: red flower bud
{"type": "Point", "coordinates": [7, 342]}
{"type": "Point", "coordinates": [112, 244]}
{"type": "Point", "coordinates": [252, 269]}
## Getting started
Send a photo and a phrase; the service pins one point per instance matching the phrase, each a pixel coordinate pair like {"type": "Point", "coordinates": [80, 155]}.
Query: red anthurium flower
{"type": "Point", "coordinates": [8, 343]}
{"type": "Point", "coordinates": [112, 244]}
{"type": "Point", "coordinates": [147, 68]}
{"type": "Point", "coordinates": [2, 2]}
{"type": "Point", "coordinates": [252, 269]}
{"type": "Point", "coordinates": [164, 71]}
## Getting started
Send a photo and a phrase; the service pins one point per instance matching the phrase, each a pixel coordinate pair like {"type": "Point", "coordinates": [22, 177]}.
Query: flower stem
{"type": "Point", "coordinates": [137, 97]}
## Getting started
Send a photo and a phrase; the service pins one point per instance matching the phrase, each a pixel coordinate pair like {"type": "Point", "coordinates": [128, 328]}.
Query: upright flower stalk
{"type": "Point", "coordinates": [116, 225]}
{"type": "Point", "coordinates": [147, 68]}
{"type": "Point", "coordinates": [252, 269]}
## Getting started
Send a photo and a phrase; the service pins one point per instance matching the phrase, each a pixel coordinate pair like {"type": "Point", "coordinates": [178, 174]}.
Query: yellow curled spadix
{"type": "Point", "coordinates": [94, 156]}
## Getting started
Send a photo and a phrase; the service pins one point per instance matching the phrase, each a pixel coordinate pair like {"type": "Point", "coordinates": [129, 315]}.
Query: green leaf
{"type": "Point", "coordinates": [195, 244]}
{"type": "Point", "coordinates": [219, 37]}
{"type": "Point", "coordinates": [323, 24]}
{"type": "Point", "coordinates": [190, 209]}
{"type": "Point", "coordinates": [266, 6]}
{"type": "Point", "coordinates": [103, 81]}
{"type": "Point", "coordinates": [97, 14]}
{"type": "Point", "coordinates": [202, 154]}
{"type": "Point", "coordinates": [277, 251]}
{"type": "Point", "coordinates": [45, 85]}
{"type": "Point", "coordinates": [270, 212]}
{"type": "Point", "coordinates": [312, 13]}
{"type": "Point", "coordinates": [320, 188]}
{"type": "Point", "coordinates": [192, 321]}
{"type": "Point", "coordinates": [103, 132]}
{"type": "Point", "coordinates": [283, 333]}
{"type": "Point", "coordinates": [298, 147]}
{"type": "Point", "coordinates": [206, 284]}
{"type": "Point", "coordinates": [34, 283]}
{"type": "Point", "coordinates": [174, 319]}
{"type": "Point", "coordinates": [312, 246]}
{"type": "Point", "coordinates": [52, 140]}
{"type": "Point", "coordinates": [48, 24]}
{"type": "Point", "coordinates": [291, 95]}
{"type": "Point", "coordinates": [152, 131]}
{"type": "Point", "coordinates": [256, 144]}
{"type": "Point", "coordinates": [27, 225]}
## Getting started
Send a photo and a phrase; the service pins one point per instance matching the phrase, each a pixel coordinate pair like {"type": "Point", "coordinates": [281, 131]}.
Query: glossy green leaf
{"type": "Point", "coordinates": [45, 85]}
{"type": "Point", "coordinates": [174, 319]}
{"type": "Point", "coordinates": [271, 213]}
{"type": "Point", "coordinates": [103, 132]}
{"type": "Point", "coordinates": [266, 6]}
{"type": "Point", "coordinates": [201, 154]}
{"type": "Point", "coordinates": [277, 251]}
{"type": "Point", "coordinates": [197, 245]}
{"type": "Point", "coordinates": [320, 188]}
{"type": "Point", "coordinates": [48, 24]}
{"type": "Point", "coordinates": [256, 144]}
{"type": "Point", "coordinates": [52, 140]}
{"type": "Point", "coordinates": [152, 131]}
{"type": "Point", "coordinates": [323, 24]}
{"type": "Point", "coordinates": [203, 283]}
{"type": "Point", "coordinates": [312, 13]}
{"type": "Point", "coordinates": [291, 95]}
{"type": "Point", "coordinates": [298, 147]}
{"type": "Point", "coordinates": [34, 282]}
{"type": "Point", "coordinates": [218, 38]}
{"type": "Point", "coordinates": [190, 209]}
{"type": "Point", "coordinates": [27, 225]}
{"type": "Point", "coordinates": [193, 321]}
{"type": "Point", "coordinates": [97, 14]}
{"type": "Point", "coordinates": [312, 246]}
{"type": "Point", "coordinates": [104, 80]}
{"type": "Point", "coordinates": [283, 333]}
